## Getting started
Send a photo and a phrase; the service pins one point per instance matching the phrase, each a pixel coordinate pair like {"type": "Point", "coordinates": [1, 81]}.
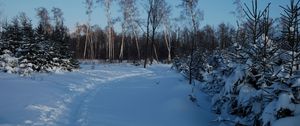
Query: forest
{"type": "Point", "coordinates": [250, 69]}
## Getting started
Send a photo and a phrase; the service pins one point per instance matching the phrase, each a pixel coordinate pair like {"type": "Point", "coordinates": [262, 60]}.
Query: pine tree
{"type": "Point", "coordinates": [61, 43]}
{"type": "Point", "coordinates": [27, 52]}
{"type": "Point", "coordinates": [62, 48]}
{"type": "Point", "coordinates": [290, 20]}
{"type": "Point", "coordinates": [43, 49]}
{"type": "Point", "coordinates": [12, 36]}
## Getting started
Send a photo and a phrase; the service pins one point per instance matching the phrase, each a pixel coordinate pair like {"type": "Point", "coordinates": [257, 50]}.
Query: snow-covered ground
{"type": "Point", "coordinates": [102, 95]}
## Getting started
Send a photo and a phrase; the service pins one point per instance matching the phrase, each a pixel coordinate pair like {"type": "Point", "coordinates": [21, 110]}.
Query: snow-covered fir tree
{"type": "Point", "coordinates": [27, 52]}
{"type": "Point", "coordinates": [11, 36]}
{"type": "Point", "coordinates": [36, 50]}
{"type": "Point", "coordinates": [254, 82]}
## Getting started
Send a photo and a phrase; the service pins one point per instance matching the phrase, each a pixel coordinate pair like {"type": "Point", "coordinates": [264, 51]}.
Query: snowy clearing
{"type": "Point", "coordinates": [102, 95]}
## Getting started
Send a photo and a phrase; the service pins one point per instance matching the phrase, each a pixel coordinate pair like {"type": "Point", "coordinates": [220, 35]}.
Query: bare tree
{"type": "Point", "coordinates": [167, 32]}
{"type": "Point", "coordinates": [58, 16]}
{"type": "Point", "coordinates": [149, 10]}
{"type": "Point", "coordinates": [159, 11]}
{"type": "Point", "coordinates": [89, 38]}
{"type": "Point", "coordinates": [78, 33]}
{"type": "Point", "coordinates": [97, 41]}
{"type": "Point", "coordinates": [129, 24]}
{"type": "Point", "coordinates": [107, 6]}
{"type": "Point", "coordinates": [156, 10]}
{"type": "Point", "coordinates": [240, 15]}
{"type": "Point", "coordinates": [43, 14]}
{"type": "Point", "coordinates": [224, 35]}
{"type": "Point", "coordinates": [209, 38]}
{"type": "Point", "coordinates": [194, 15]}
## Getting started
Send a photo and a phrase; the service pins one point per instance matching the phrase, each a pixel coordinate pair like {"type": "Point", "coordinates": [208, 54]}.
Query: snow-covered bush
{"type": "Point", "coordinates": [181, 65]}
{"type": "Point", "coordinates": [241, 102]}
{"type": "Point", "coordinates": [26, 67]}
{"type": "Point", "coordinates": [197, 66]}
{"type": "Point", "coordinates": [8, 63]}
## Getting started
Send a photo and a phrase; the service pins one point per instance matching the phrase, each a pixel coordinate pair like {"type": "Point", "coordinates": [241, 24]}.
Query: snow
{"type": "Point", "coordinates": [269, 112]}
{"type": "Point", "coordinates": [246, 93]}
{"type": "Point", "coordinates": [233, 78]}
{"type": "Point", "coordinates": [284, 102]}
{"type": "Point", "coordinates": [104, 94]}
{"type": "Point", "coordinates": [290, 121]}
{"type": "Point", "coordinates": [292, 29]}
{"type": "Point", "coordinates": [296, 83]}
{"type": "Point", "coordinates": [235, 44]}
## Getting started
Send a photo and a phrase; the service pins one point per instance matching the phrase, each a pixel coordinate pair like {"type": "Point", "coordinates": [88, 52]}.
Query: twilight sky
{"type": "Point", "coordinates": [215, 11]}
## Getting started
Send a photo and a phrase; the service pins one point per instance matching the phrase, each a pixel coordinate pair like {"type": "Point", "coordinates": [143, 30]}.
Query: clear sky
{"type": "Point", "coordinates": [215, 11]}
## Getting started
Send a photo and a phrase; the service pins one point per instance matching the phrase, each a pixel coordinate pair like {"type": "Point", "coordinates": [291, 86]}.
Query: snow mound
{"type": "Point", "coordinates": [285, 102]}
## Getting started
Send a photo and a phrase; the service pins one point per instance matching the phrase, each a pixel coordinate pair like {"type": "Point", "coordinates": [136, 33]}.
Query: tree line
{"type": "Point", "coordinates": [157, 37]}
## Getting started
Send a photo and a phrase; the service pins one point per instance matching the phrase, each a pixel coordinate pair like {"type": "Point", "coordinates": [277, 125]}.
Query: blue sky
{"type": "Point", "coordinates": [215, 11]}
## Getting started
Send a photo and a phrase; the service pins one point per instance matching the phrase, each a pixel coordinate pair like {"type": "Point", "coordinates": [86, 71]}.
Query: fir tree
{"type": "Point", "coordinates": [12, 36]}
{"type": "Point", "coordinates": [290, 32]}
{"type": "Point", "coordinates": [28, 53]}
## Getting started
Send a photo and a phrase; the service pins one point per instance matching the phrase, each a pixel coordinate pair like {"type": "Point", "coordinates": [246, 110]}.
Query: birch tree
{"type": "Point", "coordinates": [88, 40]}
{"type": "Point", "coordinates": [167, 32]}
{"type": "Point", "coordinates": [156, 10]}
{"type": "Point", "coordinates": [44, 18]}
{"type": "Point", "coordinates": [107, 7]}
{"type": "Point", "coordinates": [240, 15]}
{"type": "Point", "coordinates": [129, 24]}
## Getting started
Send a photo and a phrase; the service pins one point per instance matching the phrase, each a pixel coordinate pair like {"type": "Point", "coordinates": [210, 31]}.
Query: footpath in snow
{"type": "Point", "coordinates": [102, 95]}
